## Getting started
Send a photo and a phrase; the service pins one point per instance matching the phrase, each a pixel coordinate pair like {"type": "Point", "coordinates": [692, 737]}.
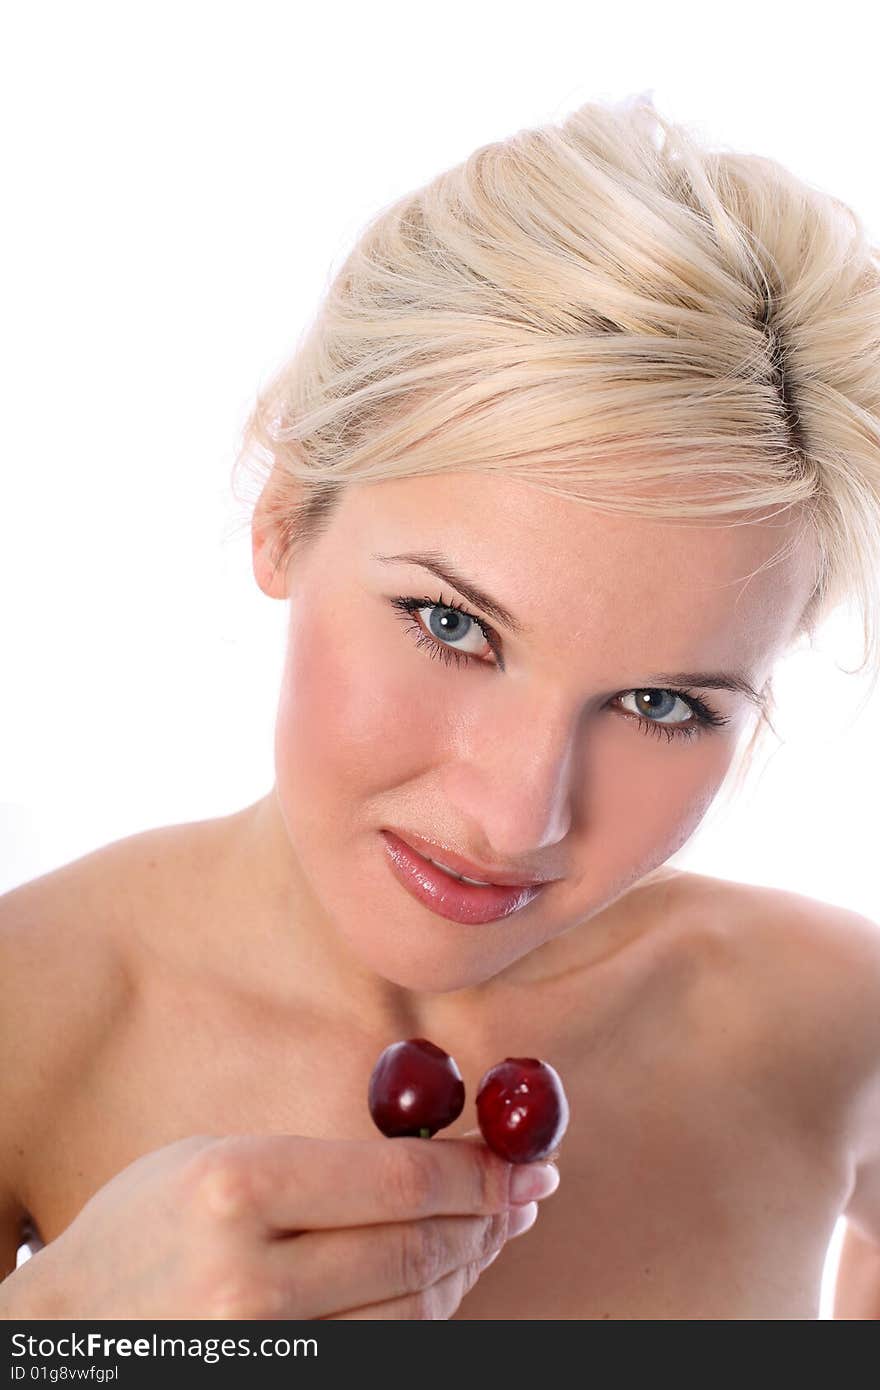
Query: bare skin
{"type": "Point", "coordinates": [242, 975]}
{"type": "Point", "coordinates": [685, 1150]}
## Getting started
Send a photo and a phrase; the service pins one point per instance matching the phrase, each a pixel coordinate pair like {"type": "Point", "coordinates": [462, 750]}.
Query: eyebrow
{"type": "Point", "coordinates": [441, 566]}
{"type": "Point", "coordinates": [444, 569]}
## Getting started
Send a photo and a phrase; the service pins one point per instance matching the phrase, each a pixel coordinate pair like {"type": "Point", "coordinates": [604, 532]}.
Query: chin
{"type": "Point", "coordinates": [436, 971]}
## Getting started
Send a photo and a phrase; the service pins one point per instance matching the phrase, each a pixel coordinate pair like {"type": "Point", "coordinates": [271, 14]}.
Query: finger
{"type": "Point", "coordinates": [291, 1182]}
{"type": "Point", "coordinates": [323, 1272]}
{"type": "Point", "coordinates": [439, 1300]}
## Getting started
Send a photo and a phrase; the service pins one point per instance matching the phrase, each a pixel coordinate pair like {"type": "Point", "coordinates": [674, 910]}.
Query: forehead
{"type": "Point", "coordinates": [713, 588]}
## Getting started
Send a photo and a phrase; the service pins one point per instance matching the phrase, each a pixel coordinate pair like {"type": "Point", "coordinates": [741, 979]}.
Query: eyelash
{"type": "Point", "coordinates": [408, 607]}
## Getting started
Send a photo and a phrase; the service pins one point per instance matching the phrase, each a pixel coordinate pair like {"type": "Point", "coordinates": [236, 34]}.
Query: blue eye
{"type": "Point", "coordinates": [702, 717]}
{"type": "Point", "coordinates": [450, 623]}
{"type": "Point", "coordinates": [447, 624]}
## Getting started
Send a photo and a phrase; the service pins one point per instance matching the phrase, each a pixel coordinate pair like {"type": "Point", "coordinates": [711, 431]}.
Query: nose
{"type": "Point", "coordinates": [514, 781]}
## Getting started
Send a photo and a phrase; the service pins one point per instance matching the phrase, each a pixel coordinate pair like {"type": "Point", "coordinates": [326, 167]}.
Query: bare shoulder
{"type": "Point", "coordinates": [69, 944]}
{"type": "Point", "coordinates": [824, 957]}
{"type": "Point", "coordinates": [805, 975]}
{"type": "Point", "coordinates": [62, 983]}
{"type": "Point", "coordinates": [821, 945]}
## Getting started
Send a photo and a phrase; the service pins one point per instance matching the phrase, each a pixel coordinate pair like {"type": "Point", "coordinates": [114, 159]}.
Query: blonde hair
{"type": "Point", "coordinates": [621, 316]}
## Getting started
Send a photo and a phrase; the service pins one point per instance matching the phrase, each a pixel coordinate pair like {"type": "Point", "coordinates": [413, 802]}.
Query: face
{"type": "Point", "coordinates": [553, 750]}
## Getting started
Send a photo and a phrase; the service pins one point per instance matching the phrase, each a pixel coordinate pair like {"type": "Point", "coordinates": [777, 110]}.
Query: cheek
{"type": "Point", "coordinates": [352, 714]}
{"type": "Point", "coordinates": [653, 798]}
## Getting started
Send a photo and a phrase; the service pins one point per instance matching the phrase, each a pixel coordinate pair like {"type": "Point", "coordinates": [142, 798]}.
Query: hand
{"type": "Point", "coordinates": [283, 1226]}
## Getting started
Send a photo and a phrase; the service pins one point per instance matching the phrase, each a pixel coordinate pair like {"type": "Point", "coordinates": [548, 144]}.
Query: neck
{"type": "Point", "coordinates": [287, 945]}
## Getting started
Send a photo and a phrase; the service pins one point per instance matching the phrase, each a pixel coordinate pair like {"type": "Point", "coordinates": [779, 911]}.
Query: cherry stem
{"type": "Point", "coordinates": [424, 1134]}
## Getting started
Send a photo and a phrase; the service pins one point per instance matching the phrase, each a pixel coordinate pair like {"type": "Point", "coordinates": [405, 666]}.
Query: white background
{"type": "Point", "coordinates": [180, 182]}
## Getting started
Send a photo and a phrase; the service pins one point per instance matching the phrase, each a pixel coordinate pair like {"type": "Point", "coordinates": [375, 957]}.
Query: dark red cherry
{"type": "Point", "coordinates": [522, 1109]}
{"type": "Point", "coordinates": [415, 1089]}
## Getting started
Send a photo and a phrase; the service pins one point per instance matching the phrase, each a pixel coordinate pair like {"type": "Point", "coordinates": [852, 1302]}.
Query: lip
{"type": "Point", "coordinates": [448, 897]}
{"type": "Point", "coordinates": [497, 877]}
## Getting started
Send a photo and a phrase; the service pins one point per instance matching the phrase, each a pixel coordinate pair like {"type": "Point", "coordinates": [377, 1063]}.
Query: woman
{"type": "Point", "coordinates": [583, 439]}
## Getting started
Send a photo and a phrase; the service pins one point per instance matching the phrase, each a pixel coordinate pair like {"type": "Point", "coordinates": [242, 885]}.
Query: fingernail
{"type": "Point", "coordinates": [533, 1180]}
{"type": "Point", "coordinates": [521, 1218]}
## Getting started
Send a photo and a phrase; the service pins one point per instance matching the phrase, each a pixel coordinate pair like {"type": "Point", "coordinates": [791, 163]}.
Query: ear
{"type": "Point", "coordinates": [264, 540]}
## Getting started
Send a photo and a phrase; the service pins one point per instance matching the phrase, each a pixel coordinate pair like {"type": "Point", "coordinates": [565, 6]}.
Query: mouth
{"type": "Point", "coordinates": [452, 895]}
{"type": "Point", "coordinates": [464, 869]}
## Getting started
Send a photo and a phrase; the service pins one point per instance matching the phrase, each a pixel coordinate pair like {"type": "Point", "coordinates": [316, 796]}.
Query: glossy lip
{"type": "Point", "coordinates": [448, 897]}
{"type": "Point", "coordinates": [497, 877]}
